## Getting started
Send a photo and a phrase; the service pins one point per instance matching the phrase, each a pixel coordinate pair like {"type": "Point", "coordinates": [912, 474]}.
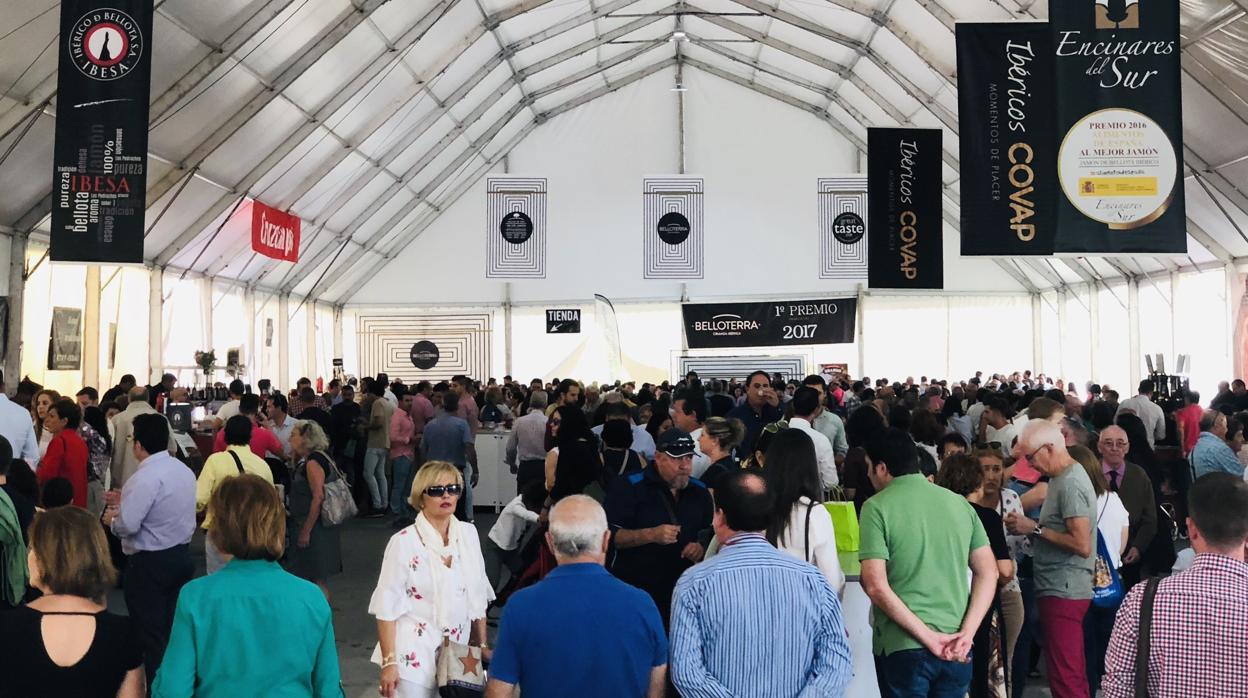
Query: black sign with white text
{"type": "Point", "coordinates": [563, 321]}
{"type": "Point", "coordinates": [1006, 136]}
{"type": "Point", "coordinates": [716, 325]}
{"type": "Point", "coordinates": [99, 186]}
{"type": "Point", "coordinates": [905, 227]}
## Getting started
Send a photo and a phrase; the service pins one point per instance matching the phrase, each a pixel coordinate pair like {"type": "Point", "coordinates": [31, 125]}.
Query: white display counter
{"type": "Point", "coordinates": [496, 485]}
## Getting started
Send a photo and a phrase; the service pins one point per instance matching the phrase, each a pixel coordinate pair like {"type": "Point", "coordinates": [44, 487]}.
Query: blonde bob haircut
{"type": "Point", "coordinates": [72, 552]}
{"type": "Point", "coordinates": [248, 519]}
{"type": "Point", "coordinates": [312, 434]}
{"type": "Point", "coordinates": [428, 474]}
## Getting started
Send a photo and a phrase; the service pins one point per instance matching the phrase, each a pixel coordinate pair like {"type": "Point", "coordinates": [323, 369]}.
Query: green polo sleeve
{"type": "Point", "coordinates": [873, 544]}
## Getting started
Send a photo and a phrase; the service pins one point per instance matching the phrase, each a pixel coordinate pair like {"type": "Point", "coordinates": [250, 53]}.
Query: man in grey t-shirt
{"type": "Point", "coordinates": [1064, 553]}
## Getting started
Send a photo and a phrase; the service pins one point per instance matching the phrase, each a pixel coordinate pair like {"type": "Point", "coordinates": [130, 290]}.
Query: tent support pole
{"type": "Point", "coordinates": [1234, 298]}
{"type": "Point", "coordinates": [337, 334]}
{"type": "Point", "coordinates": [251, 354]}
{"type": "Point", "coordinates": [283, 341]}
{"type": "Point", "coordinates": [862, 338]}
{"type": "Point", "coordinates": [155, 318]}
{"type": "Point", "coordinates": [91, 328]}
{"type": "Point", "coordinates": [1037, 341]}
{"type": "Point", "coordinates": [17, 293]}
{"type": "Point", "coordinates": [507, 328]}
{"type": "Point", "coordinates": [1094, 325]}
{"type": "Point", "coordinates": [1133, 323]}
{"type": "Point", "coordinates": [313, 369]}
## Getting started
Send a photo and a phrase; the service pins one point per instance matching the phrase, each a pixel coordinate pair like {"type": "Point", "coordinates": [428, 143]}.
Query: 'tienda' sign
{"type": "Point", "coordinates": [713, 325]}
{"type": "Point", "coordinates": [274, 233]}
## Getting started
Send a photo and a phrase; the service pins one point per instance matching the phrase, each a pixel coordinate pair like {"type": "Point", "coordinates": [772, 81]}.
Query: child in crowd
{"type": "Point", "coordinates": [502, 546]}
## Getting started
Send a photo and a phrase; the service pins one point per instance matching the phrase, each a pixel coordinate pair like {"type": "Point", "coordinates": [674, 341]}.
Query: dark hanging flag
{"type": "Point", "coordinates": [905, 225]}
{"type": "Point", "coordinates": [563, 321]}
{"type": "Point", "coordinates": [1007, 138]}
{"type": "Point", "coordinates": [1120, 120]}
{"type": "Point", "coordinates": [717, 325]}
{"type": "Point", "coordinates": [99, 185]}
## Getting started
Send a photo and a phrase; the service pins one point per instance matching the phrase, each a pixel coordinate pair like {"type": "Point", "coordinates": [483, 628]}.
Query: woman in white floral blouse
{"type": "Point", "coordinates": [432, 585]}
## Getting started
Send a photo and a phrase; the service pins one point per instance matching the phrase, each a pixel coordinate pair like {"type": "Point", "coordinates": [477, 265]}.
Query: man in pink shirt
{"type": "Point", "coordinates": [421, 412]}
{"type": "Point", "coordinates": [402, 458]}
{"type": "Point", "coordinates": [468, 411]}
{"type": "Point", "coordinates": [263, 441]}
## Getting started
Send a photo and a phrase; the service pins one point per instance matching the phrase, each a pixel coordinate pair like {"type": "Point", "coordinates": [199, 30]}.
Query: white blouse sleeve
{"type": "Point", "coordinates": [823, 548]}
{"type": "Point", "coordinates": [389, 600]}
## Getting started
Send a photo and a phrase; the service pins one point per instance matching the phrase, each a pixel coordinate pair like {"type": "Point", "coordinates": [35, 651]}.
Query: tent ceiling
{"type": "Point", "coordinates": [369, 117]}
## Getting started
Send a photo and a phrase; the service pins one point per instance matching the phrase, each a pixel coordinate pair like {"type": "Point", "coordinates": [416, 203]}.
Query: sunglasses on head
{"type": "Point", "coordinates": [440, 490]}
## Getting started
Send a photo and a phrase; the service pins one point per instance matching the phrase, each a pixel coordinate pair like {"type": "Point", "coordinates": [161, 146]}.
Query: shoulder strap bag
{"type": "Point", "coordinates": [1143, 643]}
{"type": "Point", "coordinates": [809, 508]}
{"type": "Point", "coordinates": [237, 462]}
{"type": "Point", "coordinates": [338, 504]}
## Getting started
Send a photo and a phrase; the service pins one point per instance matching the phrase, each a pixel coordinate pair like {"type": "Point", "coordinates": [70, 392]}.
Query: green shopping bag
{"type": "Point", "coordinates": [845, 523]}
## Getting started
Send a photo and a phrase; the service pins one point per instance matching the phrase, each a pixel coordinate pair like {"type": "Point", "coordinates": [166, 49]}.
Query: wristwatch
{"type": "Point", "coordinates": [1037, 532]}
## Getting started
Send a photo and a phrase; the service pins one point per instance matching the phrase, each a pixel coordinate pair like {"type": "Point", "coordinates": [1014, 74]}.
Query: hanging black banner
{"type": "Point", "coordinates": [1006, 135]}
{"type": "Point", "coordinates": [715, 325]}
{"type": "Point", "coordinates": [563, 321]}
{"type": "Point", "coordinates": [1120, 121]}
{"type": "Point", "coordinates": [99, 177]}
{"type": "Point", "coordinates": [904, 222]}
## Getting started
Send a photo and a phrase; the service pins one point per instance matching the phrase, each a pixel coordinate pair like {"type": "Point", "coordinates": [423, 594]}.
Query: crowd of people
{"type": "Point", "coordinates": [1002, 520]}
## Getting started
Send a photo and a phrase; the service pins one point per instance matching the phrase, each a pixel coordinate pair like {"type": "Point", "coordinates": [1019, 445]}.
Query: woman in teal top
{"type": "Point", "coordinates": [251, 629]}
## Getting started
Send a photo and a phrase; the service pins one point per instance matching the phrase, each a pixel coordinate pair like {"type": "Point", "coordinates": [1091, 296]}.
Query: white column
{"type": "Point", "coordinates": [205, 320]}
{"type": "Point", "coordinates": [506, 329]}
{"type": "Point", "coordinates": [1172, 361]}
{"type": "Point", "coordinates": [313, 368]}
{"type": "Point", "coordinates": [1133, 322]}
{"type": "Point", "coordinates": [1094, 322]}
{"type": "Point", "coordinates": [17, 297]}
{"type": "Point", "coordinates": [1234, 296]}
{"type": "Point", "coordinates": [1061, 333]}
{"type": "Point", "coordinates": [862, 338]}
{"type": "Point", "coordinates": [283, 343]}
{"type": "Point", "coordinates": [91, 329]}
{"type": "Point", "coordinates": [250, 354]}
{"type": "Point", "coordinates": [1037, 341]}
{"type": "Point", "coordinates": [337, 332]}
{"type": "Point", "coordinates": [155, 329]}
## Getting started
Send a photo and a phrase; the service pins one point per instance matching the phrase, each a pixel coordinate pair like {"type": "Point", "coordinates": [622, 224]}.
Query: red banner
{"type": "Point", "coordinates": [274, 233]}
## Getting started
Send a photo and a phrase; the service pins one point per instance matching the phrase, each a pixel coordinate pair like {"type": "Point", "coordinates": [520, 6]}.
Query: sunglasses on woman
{"type": "Point", "coordinates": [440, 490]}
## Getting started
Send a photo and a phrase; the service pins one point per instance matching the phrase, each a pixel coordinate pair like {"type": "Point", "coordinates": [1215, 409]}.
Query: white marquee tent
{"type": "Point", "coordinates": [376, 122]}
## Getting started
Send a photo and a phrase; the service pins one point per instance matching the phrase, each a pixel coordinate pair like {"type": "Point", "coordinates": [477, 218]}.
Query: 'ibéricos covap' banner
{"type": "Point", "coordinates": [1119, 116]}
{"type": "Point", "coordinates": [1007, 138]}
{"type": "Point", "coordinates": [905, 227]}
{"type": "Point", "coordinates": [717, 325]}
{"type": "Point", "coordinates": [99, 186]}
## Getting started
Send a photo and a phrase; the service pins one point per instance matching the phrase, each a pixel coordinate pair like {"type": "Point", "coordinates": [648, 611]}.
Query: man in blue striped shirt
{"type": "Point", "coordinates": [753, 621]}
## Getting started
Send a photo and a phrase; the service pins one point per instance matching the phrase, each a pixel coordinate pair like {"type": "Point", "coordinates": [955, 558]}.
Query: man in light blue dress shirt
{"type": "Point", "coordinates": [16, 426]}
{"type": "Point", "coordinates": [753, 621]}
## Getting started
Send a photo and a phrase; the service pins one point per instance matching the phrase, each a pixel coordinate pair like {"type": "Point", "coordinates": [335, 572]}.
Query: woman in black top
{"type": "Point", "coordinates": [64, 643]}
{"type": "Point", "coordinates": [719, 437]}
{"type": "Point", "coordinates": [618, 457]}
{"type": "Point", "coordinates": [963, 474]}
{"type": "Point", "coordinates": [316, 550]}
{"type": "Point", "coordinates": [576, 461]}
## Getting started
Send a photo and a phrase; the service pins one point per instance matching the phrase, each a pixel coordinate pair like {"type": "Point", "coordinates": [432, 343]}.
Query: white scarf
{"type": "Point", "coordinates": [478, 590]}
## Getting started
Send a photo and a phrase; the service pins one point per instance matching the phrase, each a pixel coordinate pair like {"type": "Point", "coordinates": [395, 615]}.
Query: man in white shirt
{"type": "Point", "coordinates": [688, 412]}
{"type": "Point", "coordinates": [1149, 412]}
{"type": "Point", "coordinates": [16, 426]}
{"type": "Point", "coordinates": [280, 421]}
{"type": "Point", "coordinates": [995, 427]}
{"type": "Point", "coordinates": [827, 423]}
{"type": "Point", "coordinates": [807, 405]}
{"type": "Point", "coordinates": [526, 447]}
{"type": "Point", "coordinates": [229, 409]}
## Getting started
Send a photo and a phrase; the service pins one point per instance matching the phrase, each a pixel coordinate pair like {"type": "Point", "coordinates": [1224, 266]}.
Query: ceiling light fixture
{"type": "Point", "coordinates": [680, 88]}
{"type": "Point", "coordinates": [678, 35]}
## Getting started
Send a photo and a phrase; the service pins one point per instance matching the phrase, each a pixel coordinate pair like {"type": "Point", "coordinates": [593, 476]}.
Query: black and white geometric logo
{"type": "Point", "coordinates": [106, 44]}
{"type": "Point", "coordinates": [673, 227]}
{"type": "Point", "coordinates": [843, 228]}
{"type": "Point", "coordinates": [516, 246]}
{"type": "Point", "coordinates": [425, 355]}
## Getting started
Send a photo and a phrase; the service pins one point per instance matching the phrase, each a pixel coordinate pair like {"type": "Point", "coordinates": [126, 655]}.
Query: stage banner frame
{"type": "Point", "coordinates": [770, 323]}
{"type": "Point", "coordinates": [515, 227]}
{"type": "Point", "coordinates": [672, 230]}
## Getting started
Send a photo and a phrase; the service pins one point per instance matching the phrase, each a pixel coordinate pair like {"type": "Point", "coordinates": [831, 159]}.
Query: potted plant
{"type": "Point", "coordinates": [206, 361]}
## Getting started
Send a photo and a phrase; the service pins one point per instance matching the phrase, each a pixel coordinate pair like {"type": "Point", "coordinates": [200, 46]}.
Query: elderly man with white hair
{"type": "Point", "coordinates": [1064, 554]}
{"type": "Point", "coordinates": [580, 631]}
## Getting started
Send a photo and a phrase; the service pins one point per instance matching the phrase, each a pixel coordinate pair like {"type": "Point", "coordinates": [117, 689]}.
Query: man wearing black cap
{"type": "Point", "coordinates": [660, 520]}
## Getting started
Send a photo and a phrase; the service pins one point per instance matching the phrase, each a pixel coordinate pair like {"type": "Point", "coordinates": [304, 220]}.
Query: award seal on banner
{"type": "Point", "coordinates": [516, 227]}
{"type": "Point", "coordinates": [1118, 167]}
{"type": "Point", "coordinates": [106, 44]}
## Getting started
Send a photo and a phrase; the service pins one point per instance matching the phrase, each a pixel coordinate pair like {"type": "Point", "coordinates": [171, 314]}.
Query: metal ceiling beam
{"type": "Point", "coordinates": [408, 236]}
{"type": "Point", "coordinates": [1207, 241]}
{"type": "Point", "coordinates": [453, 100]}
{"type": "Point", "coordinates": [357, 84]}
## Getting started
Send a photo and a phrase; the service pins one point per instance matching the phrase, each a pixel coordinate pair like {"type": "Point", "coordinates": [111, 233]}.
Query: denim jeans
{"type": "Point", "coordinates": [463, 511]}
{"type": "Point", "coordinates": [1030, 635]}
{"type": "Point", "coordinates": [404, 473]}
{"type": "Point", "coordinates": [375, 476]}
{"type": "Point", "coordinates": [920, 674]}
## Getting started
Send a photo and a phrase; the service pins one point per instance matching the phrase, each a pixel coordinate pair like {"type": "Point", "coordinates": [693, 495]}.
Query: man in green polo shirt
{"type": "Point", "coordinates": [917, 542]}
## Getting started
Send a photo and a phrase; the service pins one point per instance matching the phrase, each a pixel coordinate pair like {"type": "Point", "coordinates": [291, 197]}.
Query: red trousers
{"type": "Point", "coordinates": [1061, 621]}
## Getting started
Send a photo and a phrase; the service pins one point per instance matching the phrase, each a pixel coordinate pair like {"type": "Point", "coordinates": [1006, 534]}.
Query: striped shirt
{"type": "Point", "coordinates": [753, 621]}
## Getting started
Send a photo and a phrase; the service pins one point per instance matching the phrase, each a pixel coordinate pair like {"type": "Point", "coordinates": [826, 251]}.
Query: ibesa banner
{"type": "Point", "coordinates": [274, 233]}
{"type": "Point", "coordinates": [778, 323]}
{"type": "Point", "coordinates": [904, 221]}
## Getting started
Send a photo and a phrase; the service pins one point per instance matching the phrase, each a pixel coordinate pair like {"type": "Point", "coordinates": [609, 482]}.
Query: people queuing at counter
{"type": "Point", "coordinates": [1002, 520]}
